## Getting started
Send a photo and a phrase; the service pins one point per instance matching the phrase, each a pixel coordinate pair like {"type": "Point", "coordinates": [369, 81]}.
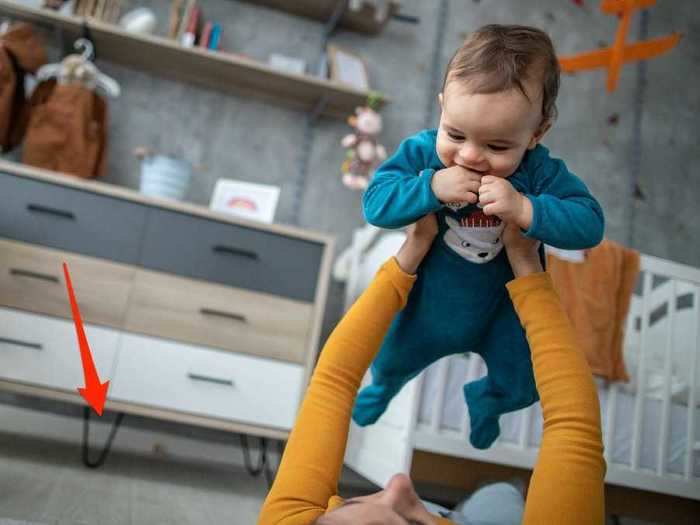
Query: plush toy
{"type": "Point", "coordinates": [363, 153]}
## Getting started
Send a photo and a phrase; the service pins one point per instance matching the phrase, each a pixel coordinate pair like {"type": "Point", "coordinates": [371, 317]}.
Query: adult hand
{"type": "Point", "coordinates": [419, 238]}
{"type": "Point", "coordinates": [522, 251]}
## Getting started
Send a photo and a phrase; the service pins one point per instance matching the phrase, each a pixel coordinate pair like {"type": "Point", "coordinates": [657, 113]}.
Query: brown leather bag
{"type": "Point", "coordinates": [21, 51]}
{"type": "Point", "coordinates": [67, 130]}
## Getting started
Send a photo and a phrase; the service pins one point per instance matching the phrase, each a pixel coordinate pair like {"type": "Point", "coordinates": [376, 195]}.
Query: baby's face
{"type": "Point", "coordinates": [488, 133]}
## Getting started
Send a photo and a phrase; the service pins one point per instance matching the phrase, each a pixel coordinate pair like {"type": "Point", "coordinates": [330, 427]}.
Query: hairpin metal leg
{"type": "Point", "coordinates": [271, 473]}
{"type": "Point", "coordinates": [86, 438]}
{"type": "Point", "coordinates": [262, 458]}
{"type": "Point", "coordinates": [264, 464]}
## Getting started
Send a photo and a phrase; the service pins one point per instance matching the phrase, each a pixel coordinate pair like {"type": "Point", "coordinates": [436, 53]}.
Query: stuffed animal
{"type": "Point", "coordinates": [363, 153]}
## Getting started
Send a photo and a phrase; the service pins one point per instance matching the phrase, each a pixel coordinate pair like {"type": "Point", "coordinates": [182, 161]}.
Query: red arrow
{"type": "Point", "coordinates": [94, 392]}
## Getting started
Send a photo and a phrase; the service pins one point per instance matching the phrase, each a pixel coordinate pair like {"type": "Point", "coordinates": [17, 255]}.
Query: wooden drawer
{"type": "Point", "coordinates": [44, 350]}
{"type": "Point", "coordinates": [31, 278]}
{"type": "Point", "coordinates": [232, 255]}
{"type": "Point", "coordinates": [218, 316]}
{"type": "Point", "coordinates": [70, 219]}
{"type": "Point", "coordinates": [207, 382]}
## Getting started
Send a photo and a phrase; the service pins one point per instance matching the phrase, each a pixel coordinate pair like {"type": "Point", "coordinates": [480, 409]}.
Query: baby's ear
{"type": "Point", "coordinates": [539, 133]}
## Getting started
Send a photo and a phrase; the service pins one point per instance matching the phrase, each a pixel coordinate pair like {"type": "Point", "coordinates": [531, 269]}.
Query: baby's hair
{"type": "Point", "coordinates": [497, 58]}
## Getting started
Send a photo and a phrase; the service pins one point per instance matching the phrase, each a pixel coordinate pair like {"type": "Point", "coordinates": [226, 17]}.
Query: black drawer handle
{"type": "Point", "coordinates": [238, 252]}
{"type": "Point", "coordinates": [34, 275]}
{"type": "Point", "coordinates": [227, 315]}
{"type": "Point", "coordinates": [208, 379]}
{"type": "Point", "coordinates": [17, 342]}
{"type": "Point", "coordinates": [51, 211]}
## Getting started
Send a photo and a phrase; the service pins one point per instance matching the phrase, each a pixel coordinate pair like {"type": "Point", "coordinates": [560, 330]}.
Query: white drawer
{"type": "Point", "coordinates": [44, 350]}
{"type": "Point", "coordinates": [202, 381]}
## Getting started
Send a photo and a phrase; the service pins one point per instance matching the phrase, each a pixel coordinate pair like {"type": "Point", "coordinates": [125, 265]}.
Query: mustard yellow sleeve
{"type": "Point", "coordinates": [307, 480]}
{"type": "Point", "coordinates": [567, 483]}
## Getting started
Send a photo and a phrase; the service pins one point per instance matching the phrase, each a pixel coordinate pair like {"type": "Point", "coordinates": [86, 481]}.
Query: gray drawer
{"type": "Point", "coordinates": [70, 219]}
{"type": "Point", "coordinates": [232, 255]}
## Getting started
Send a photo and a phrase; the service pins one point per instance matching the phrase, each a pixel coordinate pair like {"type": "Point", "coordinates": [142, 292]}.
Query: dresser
{"type": "Point", "coordinates": [193, 316]}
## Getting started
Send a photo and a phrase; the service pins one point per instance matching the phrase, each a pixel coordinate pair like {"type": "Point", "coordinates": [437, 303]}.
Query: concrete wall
{"type": "Point", "coordinates": [250, 140]}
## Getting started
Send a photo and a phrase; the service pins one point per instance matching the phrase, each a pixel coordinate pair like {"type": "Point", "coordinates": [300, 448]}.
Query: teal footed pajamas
{"type": "Point", "coordinates": [459, 302]}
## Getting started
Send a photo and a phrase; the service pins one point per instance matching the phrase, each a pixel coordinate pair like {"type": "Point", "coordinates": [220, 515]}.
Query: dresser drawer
{"type": "Point", "coordinates": [43, 350]}
{"type": "Point", "coordinates": [218, 316]}
{"type": "Point", "coordinates": [230, 254]}
{"type": "Point", "coordinates": [70, 219]}
{"type": "Point", "coordinates": [31, 278]}
{"type": "Point", "coordinates": [206, 382]}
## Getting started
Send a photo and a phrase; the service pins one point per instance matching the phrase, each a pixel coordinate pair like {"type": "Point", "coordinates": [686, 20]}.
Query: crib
{"type": "Point", "coordinates": [651, 425]}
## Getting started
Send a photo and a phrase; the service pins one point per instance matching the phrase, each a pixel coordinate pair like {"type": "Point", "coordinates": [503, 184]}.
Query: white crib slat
{"type": "Point", "coordinates": [525, 423]}
{"type": "Point", "coordinates": [666, 404]}
{"type": "Point", "coordinates": [439, 401]}
{"type": "Point", "coordinates": [610, 415]}
{"type": "Point", "coordinates": [641, 374]}
{"type": "Point", "coordinates": [472, 372]}
{"type": "Point", "coordinates": [692, 397]}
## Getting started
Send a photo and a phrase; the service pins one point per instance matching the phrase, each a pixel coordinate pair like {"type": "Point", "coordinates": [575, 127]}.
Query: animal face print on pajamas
{"type": "Point", "coordinates": [476, 237]}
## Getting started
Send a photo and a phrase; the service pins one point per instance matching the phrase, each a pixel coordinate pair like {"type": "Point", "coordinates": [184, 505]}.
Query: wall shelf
{"type": "Point", "coordinates": [219, 70]}
{"type": "Point", "coordinates": [361, 21]}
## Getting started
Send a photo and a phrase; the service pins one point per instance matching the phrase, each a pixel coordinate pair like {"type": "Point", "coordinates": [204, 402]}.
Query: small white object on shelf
{"type": "Point", "coordinates": [347, 67]}
{"type": "Point", "coordinates": [246, 200]}
{"type": "Point", "coordinates": [287, 64]}
{"type": "Point", "coordinates": [140, 20]}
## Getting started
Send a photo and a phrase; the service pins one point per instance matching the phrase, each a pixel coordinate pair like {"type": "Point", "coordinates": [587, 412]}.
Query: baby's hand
{"type": "Point", "coordinates": [497, 196]}
{"type": "Point", "coordinates": [456, 184]}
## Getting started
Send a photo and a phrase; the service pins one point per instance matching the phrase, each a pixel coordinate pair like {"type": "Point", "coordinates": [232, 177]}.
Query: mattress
{"type": "Point", "coordinates": [454, 412]}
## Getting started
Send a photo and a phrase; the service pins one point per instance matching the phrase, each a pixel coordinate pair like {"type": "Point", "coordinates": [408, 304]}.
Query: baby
{"type": "Point", "coordinates": [483, 167]}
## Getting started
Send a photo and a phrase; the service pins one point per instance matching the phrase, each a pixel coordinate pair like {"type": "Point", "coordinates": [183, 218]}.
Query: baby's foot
{"type": "Point", "coordinates": [483, 433]}
{"type": "Point", "coordinates": [483, 414]}
{"type": "Point", "coordinates": [371, 403]}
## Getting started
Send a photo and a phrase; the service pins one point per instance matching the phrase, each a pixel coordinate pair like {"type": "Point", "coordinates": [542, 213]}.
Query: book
{"type": "Point", "coordinates": [99, 9]}
{"type": "Point", "coordinates": [89, 7]}
{"type": "Point", "coordinates": [190, 35]}
{"type": "Point", "coordinates": [206, 34]}
{"type": "Point", "coordinates": [114, 11]}
{"type": "Point", "coordinates": [175, 15]}
{"type": "Point", "coordinates": [187, 11]}
{"type": "Point", "coordinates": [215, 38]}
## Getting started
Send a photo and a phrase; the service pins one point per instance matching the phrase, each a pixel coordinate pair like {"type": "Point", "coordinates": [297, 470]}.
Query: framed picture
{"type": "Point", "coordinates": [347, 67]}
{"type": "Point", "coordinates": [247, 200]}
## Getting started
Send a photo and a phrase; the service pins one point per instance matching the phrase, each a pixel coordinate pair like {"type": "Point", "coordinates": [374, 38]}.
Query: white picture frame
{"type": "Point", "coordinates": [247, 200]}
{"type": "Point", "coordinates": [347, 67]}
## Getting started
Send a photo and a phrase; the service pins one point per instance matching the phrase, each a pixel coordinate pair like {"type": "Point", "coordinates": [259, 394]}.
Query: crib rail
{"type": "Point", "coordinates": [665, 313]}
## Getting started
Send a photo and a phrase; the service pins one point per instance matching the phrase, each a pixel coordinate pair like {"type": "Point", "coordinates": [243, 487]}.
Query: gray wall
{"type": "Point", "coordinates": [247, 139]}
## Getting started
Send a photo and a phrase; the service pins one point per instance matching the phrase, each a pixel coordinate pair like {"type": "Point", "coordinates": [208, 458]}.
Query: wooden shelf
{"type": "Point", "coordinates": [212, 69]}
{"type": "Point", "coordinates": [361, 21]}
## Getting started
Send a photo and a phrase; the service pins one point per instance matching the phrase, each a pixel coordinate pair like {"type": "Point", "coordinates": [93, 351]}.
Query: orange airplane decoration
{"type": "Point", "coordinates": [615, 56]}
